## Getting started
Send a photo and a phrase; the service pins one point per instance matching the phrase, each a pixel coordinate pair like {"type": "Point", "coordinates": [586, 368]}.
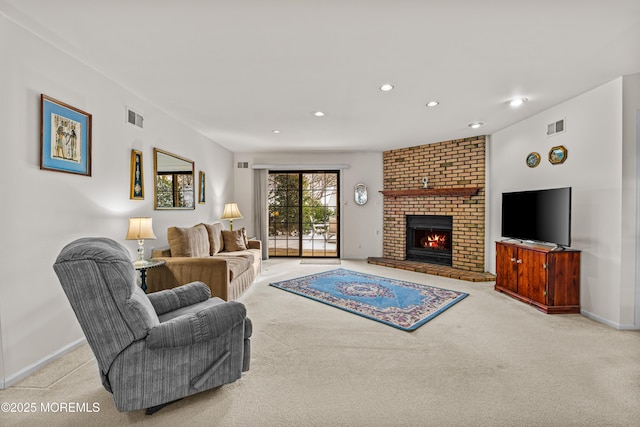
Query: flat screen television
{"type": "Point", "coordinates": [539, 215]}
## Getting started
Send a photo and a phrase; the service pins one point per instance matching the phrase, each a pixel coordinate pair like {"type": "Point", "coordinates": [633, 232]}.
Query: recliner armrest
{"type": "Point", "coordinates": [205, 325]}
{"type": "Point", "coordinates": [182, 296]}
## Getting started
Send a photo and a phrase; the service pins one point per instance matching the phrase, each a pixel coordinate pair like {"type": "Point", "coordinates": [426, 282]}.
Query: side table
{"type": "Point", "coordinates": [142, 268]}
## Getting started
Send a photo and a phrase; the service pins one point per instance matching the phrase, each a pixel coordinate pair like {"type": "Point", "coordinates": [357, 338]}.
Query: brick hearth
{"type": "Point", "coordinates": [453, 165]}
{"type": "Point", "coordinates": [436, 270]}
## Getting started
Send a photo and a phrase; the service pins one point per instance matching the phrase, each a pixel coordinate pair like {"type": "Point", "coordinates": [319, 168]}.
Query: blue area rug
{"type": "Point", "coordinates": [403, 305]}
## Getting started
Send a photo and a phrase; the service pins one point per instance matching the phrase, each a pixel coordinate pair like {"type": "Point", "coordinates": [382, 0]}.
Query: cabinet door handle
{"type": "Point", "coordinates": [519, 261]}
{"type": "Point", "coordinates": [513, 260]}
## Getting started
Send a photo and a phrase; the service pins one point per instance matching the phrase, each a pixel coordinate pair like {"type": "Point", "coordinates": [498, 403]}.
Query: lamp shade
{"type": "Point", "coordinates": [140, 228]}
{"type": "Point", "coordinates": [231, 211]}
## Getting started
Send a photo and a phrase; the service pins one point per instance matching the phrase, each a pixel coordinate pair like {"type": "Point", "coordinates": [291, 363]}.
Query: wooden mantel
{"type": "Point", "coordinates": [421, 192]}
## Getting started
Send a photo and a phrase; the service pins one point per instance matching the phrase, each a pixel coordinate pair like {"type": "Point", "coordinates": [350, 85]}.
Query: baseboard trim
{"type": "Point", "coordinates": [614, 325]}
{"type": "Point", "coordinates": [23, 373]}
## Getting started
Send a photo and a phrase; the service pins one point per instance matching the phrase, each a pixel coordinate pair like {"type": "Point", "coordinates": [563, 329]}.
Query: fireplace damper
{"type": "Point", "coordinates": [429, 238]}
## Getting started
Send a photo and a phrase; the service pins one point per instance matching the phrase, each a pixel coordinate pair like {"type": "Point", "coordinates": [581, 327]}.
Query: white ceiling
{"type": "Point", "coordinates": [237, 69]}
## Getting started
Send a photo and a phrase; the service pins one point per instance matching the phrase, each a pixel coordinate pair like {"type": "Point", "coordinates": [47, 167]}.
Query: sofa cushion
{"type": "Point", "coordinates": [216, 242]}
{"type": "Point", "coordinates": [237, 265]}
{"type": "Point", "coordinates": [234, 240]}
{"type": "Point", "coordinates": [188, 241]}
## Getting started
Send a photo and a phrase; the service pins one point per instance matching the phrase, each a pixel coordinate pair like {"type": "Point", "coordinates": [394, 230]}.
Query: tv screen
{"type": "Point", "coordinates": [540, 215]}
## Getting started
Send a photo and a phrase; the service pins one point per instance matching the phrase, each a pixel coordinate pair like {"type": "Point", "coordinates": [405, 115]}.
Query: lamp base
{"type": "Point", "coordinates": [140, 262]}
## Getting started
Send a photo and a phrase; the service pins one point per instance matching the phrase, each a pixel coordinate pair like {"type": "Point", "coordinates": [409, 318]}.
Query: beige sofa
{"type": "Point", "coordinates": [224, 260]}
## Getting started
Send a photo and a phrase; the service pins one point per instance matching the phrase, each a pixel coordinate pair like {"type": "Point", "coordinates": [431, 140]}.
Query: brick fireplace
{"type": "Point", "coordinates": [455, 172]}
{"type": "Point", "coordinates": [429, 238]}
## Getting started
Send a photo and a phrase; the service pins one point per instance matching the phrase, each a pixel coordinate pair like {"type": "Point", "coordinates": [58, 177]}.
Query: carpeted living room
{"type": "Point", "coordinates": [364, 191]}
{"type": "Point", "coordinates": [316, 365]}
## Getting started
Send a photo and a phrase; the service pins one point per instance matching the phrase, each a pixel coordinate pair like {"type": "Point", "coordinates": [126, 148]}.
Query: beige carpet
{"type": "Point", "coordinates": [487, 361]}
{"type": "Point", "coordinates": [321, 261]}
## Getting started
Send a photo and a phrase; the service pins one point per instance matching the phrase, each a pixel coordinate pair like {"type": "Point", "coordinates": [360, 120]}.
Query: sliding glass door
{"type": "Point", "coordinates": [304, 213]}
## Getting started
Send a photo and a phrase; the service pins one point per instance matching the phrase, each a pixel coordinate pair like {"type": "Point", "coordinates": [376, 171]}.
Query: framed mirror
{"type": "Point", "coordinates": [361, 196]}
{"type": "Point", "coordinates": [174, 181]}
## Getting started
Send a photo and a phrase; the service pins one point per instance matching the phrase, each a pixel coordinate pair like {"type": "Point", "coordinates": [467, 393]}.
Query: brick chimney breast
{"type": "Point", "coordinates": [452, 164]}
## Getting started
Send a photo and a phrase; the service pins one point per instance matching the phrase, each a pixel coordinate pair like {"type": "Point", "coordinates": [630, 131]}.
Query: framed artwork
{"type": "Point", "coordinates": [201, 189]}
{"type": "Point", "coordinates": [533, 159]}
{"type": "Point", "coordinates": [137, 176]}
{"type": "Point", "coordinates": [557, 155]}
{"type": "Point", "coordinates": [65, 137]}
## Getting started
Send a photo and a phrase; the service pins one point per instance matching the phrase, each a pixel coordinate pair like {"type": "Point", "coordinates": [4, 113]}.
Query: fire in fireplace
{"type": "Point", "coordinates": [429, 238]}
{"type": "Point", "coordinates": [434, 239]}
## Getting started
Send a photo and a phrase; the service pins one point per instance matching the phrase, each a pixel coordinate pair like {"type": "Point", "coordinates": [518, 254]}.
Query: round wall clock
{"type": "Point", "coordinates": [533, 159]}
{"type": "Point", "coordinates": [361, 194]}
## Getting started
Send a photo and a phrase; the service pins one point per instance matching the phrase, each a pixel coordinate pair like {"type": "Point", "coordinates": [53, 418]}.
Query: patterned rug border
{"type": "Point", "coordinates": [412, 327]}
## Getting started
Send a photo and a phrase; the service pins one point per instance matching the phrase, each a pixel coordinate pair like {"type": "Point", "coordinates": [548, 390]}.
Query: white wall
{"type": "Point", "coordinates": [601, 223]}
{"type": "Point", "coordinates": [630, 290]}
{"type": "Point", "coordinates": [361, 228]}
{"type": "Point", "coordinates": [43, 210]}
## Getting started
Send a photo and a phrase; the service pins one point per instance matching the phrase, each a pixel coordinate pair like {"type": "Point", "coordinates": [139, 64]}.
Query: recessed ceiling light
{"type": "Point", "coordinates": [432, 103]}
{"type": "Point", "coordinates": [275, 131]}
{"type": "Point", "coordinates": [386, 87]}
{"type": "Point", "coordinates": [517, 102]}
{"type": "Point", "coordinates": [475, 125]}
{"type": "Point", "coordinates": [319, 114]}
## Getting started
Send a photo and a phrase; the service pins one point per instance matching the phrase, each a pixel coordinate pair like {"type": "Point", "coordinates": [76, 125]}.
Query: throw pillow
{"type": "Point", "coordinates": [216, 243]}
{"type": "Point", "coordinates": [234, 240]}
{"type": "Point", "coordinates": [188, 241]}
{"type": "Point", "coordinates": [244, 236]}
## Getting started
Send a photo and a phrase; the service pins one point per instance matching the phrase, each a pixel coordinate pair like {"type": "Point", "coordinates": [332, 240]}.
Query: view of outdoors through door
{"type": "Point", "coordinates": [303, 214]}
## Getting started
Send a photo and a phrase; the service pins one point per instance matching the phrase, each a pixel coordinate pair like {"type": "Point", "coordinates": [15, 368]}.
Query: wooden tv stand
{"type": "Point", "coordinates": [539, 275]}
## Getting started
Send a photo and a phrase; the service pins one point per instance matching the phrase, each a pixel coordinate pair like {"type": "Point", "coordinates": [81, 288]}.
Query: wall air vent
{"type": "Point", "coordinates": [555, 127]}
{"type": "Point", "coordinates": [243, 165]}
{"type": "Point", "coordinates": [134, 118]}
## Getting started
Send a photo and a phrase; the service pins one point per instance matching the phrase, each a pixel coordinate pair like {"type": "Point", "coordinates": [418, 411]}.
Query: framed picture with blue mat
{"type": "Point", "coordinates": [403, 305]}
{"type": "Point", "coordinates": [65, 144]}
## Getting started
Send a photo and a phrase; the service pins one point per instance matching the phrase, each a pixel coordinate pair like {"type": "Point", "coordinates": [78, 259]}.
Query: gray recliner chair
{"type": "Point", "coordinates": [151, 349]}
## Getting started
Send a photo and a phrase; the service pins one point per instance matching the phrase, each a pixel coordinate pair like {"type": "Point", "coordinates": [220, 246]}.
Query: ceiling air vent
{"type": "Point", "coordinates": [134, 118]}
{"type": "Point", "coordinates": [555, 127]}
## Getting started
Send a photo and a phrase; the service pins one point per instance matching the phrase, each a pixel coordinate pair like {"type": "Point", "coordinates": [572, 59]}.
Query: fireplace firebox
{"type": "Point", "coordinates": [429, 238]}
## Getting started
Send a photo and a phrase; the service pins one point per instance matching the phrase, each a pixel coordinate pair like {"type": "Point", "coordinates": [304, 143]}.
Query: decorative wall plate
{"type": "Point", "coordinates": [533, 159]}
{"type": "Point", "coordinates": [557, 155]}
{"type": "Point", "coordinates": [360, 195]}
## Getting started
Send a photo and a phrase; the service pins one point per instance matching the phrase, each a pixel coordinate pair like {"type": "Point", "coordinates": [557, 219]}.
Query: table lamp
{"type": "Point", "coordinates": [231, 212]}
{"type": "Point", "coordinates": [140, 228]}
